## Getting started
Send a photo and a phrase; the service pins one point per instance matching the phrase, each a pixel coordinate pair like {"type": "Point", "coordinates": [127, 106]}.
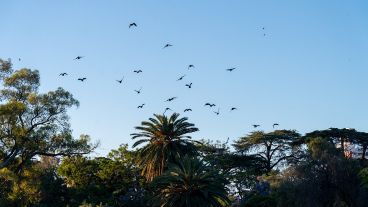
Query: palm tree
{"type": "Point", "coordinates": [189, 182]}
{"type": "Point", "coordinates": [167, 138]}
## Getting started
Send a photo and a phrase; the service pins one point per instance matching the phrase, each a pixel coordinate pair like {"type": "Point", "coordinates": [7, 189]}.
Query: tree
{"type": "Point", "coordinates": [240, 170]}
{"type": "Point", "coordinates": [167, 138]}
{"type": "Point", "coordinates": [189, 182]}
{"type": "Point", "coordinates": [31, 123]}
{"type": "Point", "coordinates": [273, 148]}
{"type": "Point", "coordinates": [103, 180]}
{"type": "Point", "coordinates": [325, 178]}
{"type": "Point", "coordinates": [361, 138]}
{"type": "Point", "coordinates": [334, 135]}
{"type": "Point", "coordinates": [36, 185]}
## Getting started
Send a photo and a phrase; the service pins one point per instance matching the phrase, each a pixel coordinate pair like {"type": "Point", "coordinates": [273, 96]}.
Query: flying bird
{"type": "Point", "coordinates": [210, 105]}
{"type": "Point", "coordinates": [230, 69]}
{"type": "Point", "coordinates": [181, 78]}
{"type": "Point", "coordinates": [217, 112]}
{"type": "Point", "coordinates": [167, 109]}
{"type": "Point", "coordinates": [189, 85]}
{"type": "Point", "coordinates": [188, 109]}
{"type": "Point", "coordinates": [19, 59]}
{"type": "Point", "coordinates": [120, 81]}
{"type": "Point", "coordinates": [82, 79]}
{"type": "Point", "coordinates": [167, 45]}
{"type": "Point", "coordinates": [138, 91]}
{"type": "Point", "coordinates": [233, 108]}
{"type": "Point", "coordinates": [141, 106]}
{"type": "Point", "coordinates": [190, 66]}
{"type": "Point", "coordinates": [275, 124]}
{"type": "Point", "coordinates": [78, 57]}
{"type": "Point", "coordinates": [256, 125]}
{"type": "Point", "coordinates": [133, 24]}
{"type": "Point", "coordinates": [63, 74]}
{"type": "Point", "coordinates": [137, 71]}
{"type": "Point", "coordinates": [170, 99]}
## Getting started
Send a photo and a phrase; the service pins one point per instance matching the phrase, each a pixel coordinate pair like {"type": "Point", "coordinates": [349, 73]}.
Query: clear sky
{"type": "Point", "coordinates": [309, 71]}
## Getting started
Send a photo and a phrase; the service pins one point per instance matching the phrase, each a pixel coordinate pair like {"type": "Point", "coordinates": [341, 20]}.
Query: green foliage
{"type": "Point", "coordinates": [167, 137]}
{"type": "Point", "coordinates": [274, 148]}
{"type": "Point", "coordinates": [239, 169]}
{"type": "Point", "coordinates": [189, 182]}
{"type": "Point", "coordinates": [101, 180]}
{"type": "Point", "coordinates": [325, 179]}
{"type": "Point", "coordinates": [31, 123]}
{"type": "Point", "coordinates": [363, 175]}
{"type": "Point", "coordinates": [37, 184]}
{"type": "Point", "coordinates": [335, 136]}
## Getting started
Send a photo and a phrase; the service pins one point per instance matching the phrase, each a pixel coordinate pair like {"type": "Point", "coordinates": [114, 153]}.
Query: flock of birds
{"type": "Point", "coordinates": [189, 85]}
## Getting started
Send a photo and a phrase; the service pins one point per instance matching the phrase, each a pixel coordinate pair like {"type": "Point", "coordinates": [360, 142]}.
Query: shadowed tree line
{"type": "Point", "coordinates": [42, 164]}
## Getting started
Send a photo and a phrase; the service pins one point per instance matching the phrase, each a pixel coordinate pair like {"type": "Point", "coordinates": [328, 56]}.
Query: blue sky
{"type": "Point", "coordinates": [309, 72]}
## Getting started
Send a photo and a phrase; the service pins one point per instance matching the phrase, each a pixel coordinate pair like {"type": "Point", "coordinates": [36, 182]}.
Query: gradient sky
{"type": "Point", "coordinates": [309, 72]}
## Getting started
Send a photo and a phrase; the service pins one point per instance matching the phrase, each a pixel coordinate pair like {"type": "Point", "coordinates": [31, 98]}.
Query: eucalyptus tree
{"type": "Point", "coordinates": [32, 123]}
{"type": "Point", "coordinates": [166, 138]}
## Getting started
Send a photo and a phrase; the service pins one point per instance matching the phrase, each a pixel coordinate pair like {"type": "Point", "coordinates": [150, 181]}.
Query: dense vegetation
{"type": "Point", "coordinates": [41, 164]}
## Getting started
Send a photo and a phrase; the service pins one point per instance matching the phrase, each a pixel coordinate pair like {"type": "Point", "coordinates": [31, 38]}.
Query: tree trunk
{"type": "Point", "coordinates": [364, 151]}
{"type": "Point", "coordinates": [342, 145]}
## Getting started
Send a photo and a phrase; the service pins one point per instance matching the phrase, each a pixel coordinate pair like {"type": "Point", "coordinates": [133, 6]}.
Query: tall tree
{"type": "Point", "coordinates": [324, 178]}
{"type": "Point", "coordinates": [273, 148]}
{"type": "Point", "coordinates": [361, 138]}
{"type": "Point", "coordinates": [239, 169]}
{"type": "Point", "coordinates": [31, 123]}
{"type": "Point", "coordinates": [335, 136]}
{"type": "Point", "coordinates": [189, 182]}
{"type": "Point", "coordinates": [100, 180]}
{"type": "Point", "coordinates": [167, 138]}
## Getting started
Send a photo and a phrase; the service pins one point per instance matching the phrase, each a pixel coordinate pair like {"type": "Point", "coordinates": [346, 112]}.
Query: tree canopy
{"type": "Point", "coordinates": [33, 123]}
{"type": "Point", "coordinates": [167, 138]}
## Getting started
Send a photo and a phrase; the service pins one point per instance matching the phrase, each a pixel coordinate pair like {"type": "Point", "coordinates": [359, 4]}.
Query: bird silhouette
{"type": "Point", "coordinates": [167, 45]}
{"type": "Point", "coordinates": [63, 74]}
{"type": "Point", "coordinates": [78, 57]}
{"type": "Point", "coordinates": [189, 85]}
{"type": "Point", "coordinates": [188, 109]}
{"type": "Point", "coordinates": [233, 108]}
{"type": "Point", "coordinates": [138, 91]}
{"type": "Point", "coordinates": [275, 124]}
{"type": "Point", "coordinates": [190, 66]}
{"type": "Point", "coordinates": [256, 125]}
{"type": "Point", "coordinates": [181, 78]}
{"type": "Point", "coordinates": [171, 99]}
{"type": "Point", "coordinates": [82, 79]}
{"type": "Point", "coordinates": [167, 109]}
{"type": "Point", "coordinates": [120, 81]}
{"type": "Point", "coordinates": [19, 59]}
{"type": "Point", "coordinates": [133, 24]}
{"type": "Point", "coordinates": [141, 106]}
{"type": "Point", "coordinates": [230, 69]}
{"type": "Point", "coordinates": [217, 112]}
{"type": "Point", "coordinates": [210, 105]}
{"type": "Point", "coordinates": [137, 71]}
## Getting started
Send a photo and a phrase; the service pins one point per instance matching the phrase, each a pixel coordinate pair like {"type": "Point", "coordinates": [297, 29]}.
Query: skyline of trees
{"type": "Point", "coordinates": [41, 164]}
